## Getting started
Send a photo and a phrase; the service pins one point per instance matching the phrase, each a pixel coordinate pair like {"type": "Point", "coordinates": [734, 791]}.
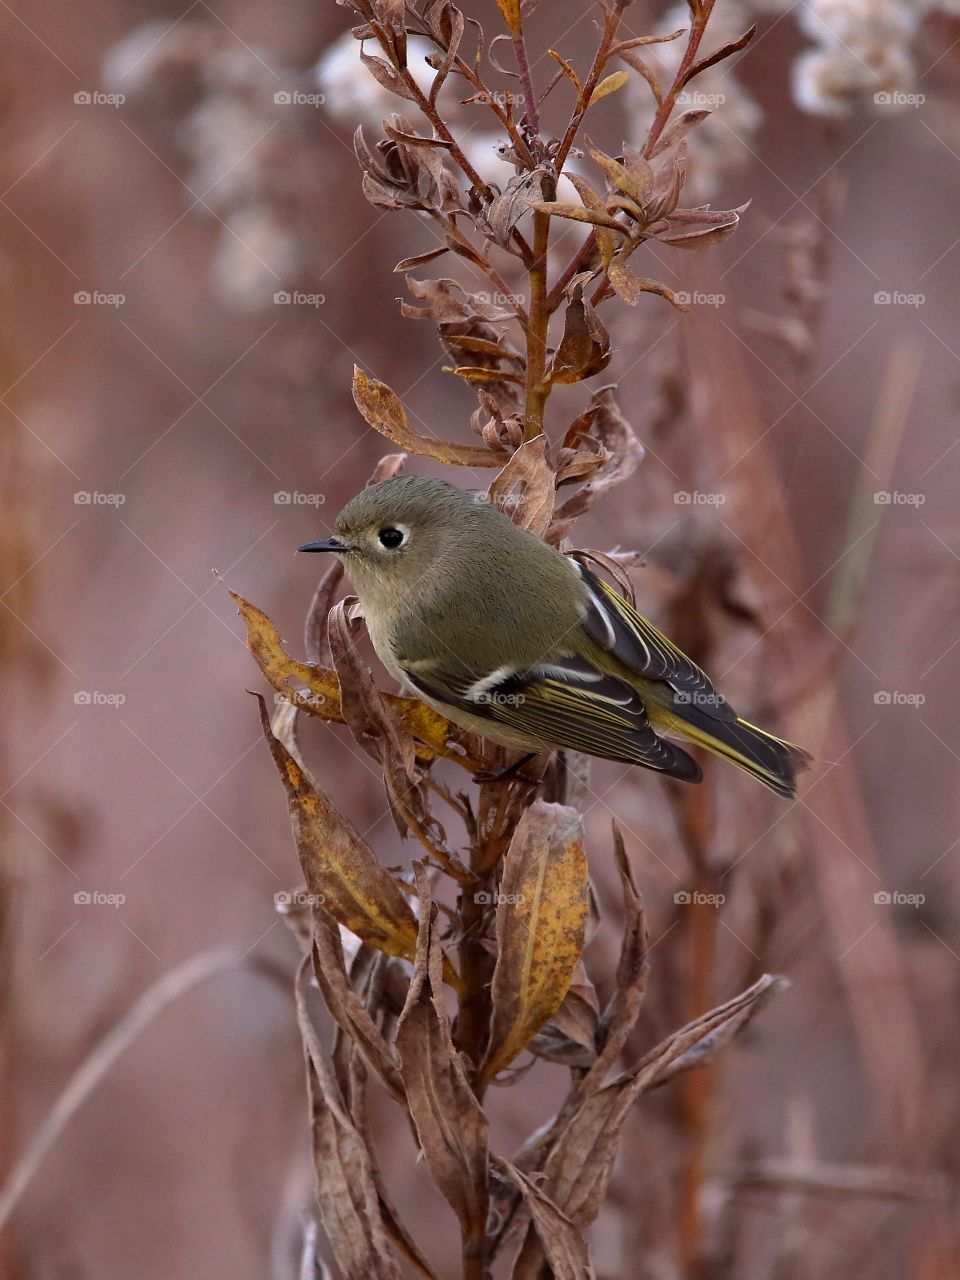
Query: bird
{"type": "Point", "coordinates": [513, 639]}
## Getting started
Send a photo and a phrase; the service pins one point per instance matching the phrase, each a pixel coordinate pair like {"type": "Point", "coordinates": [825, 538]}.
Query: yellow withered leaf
{"type": "Point", "coordinates": [511, 14]}
{"type": "Point", "coordinates": [431, 730]}
{"type": "Point", "coordinates": [541, 917]}
{"type": "Point", "coordinates": [383, 411]}
{"type": "Point", "coordinates": [609, 84]}
{"type": "Point", "coordinates": [339, 867]}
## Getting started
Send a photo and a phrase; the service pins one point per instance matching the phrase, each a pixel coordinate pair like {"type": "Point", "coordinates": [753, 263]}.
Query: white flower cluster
{"type": "Point", "coordinates": [862, 55]}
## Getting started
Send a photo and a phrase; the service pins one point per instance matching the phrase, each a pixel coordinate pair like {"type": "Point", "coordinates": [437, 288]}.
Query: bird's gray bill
{"type": "Point", "coordinates": [324, 544]}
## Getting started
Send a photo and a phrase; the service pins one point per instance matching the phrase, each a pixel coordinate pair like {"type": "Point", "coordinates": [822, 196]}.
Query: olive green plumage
{"type": "Point", "coordinates": [512, 639]}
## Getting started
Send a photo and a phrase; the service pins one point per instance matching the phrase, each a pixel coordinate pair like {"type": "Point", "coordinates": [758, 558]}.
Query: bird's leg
{"type": "Point", "coordinates": [511, 771]}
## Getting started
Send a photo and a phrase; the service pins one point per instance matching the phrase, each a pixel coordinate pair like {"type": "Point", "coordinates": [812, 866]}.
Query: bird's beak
{"type": "Point", "coordinates": [325, 544]}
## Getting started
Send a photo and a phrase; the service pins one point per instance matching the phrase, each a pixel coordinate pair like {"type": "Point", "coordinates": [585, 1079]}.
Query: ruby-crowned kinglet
{"type": "Point", "coordinates": [516, 641]}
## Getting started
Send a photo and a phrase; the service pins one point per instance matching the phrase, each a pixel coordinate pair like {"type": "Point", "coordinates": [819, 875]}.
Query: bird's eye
{"type": "Point", "coordinates": [391, 538]}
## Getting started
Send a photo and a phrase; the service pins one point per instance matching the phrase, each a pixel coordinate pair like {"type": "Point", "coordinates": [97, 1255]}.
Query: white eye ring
{"type": "Point", "coordinates": [389, 532]}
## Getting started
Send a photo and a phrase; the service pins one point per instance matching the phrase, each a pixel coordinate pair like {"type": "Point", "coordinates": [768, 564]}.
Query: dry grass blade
{"type": "Point", "coordinates": [541, 919]}
{"type": "Point", "coordinates": [450, 1123]}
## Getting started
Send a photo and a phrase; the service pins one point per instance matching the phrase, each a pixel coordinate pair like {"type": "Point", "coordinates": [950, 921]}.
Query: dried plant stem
{"type": "Point", "coordinates": [665, 109]}
{"type": "Point", "coordinates": [611, 25]}
{"type": "Point", "coordinates": [529, 97]}
{"type": "Point", "coordinates": [537, 389]}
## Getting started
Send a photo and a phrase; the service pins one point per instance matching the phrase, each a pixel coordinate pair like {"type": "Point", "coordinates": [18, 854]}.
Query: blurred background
{"type": "Point", "coordinates": [190, 272]}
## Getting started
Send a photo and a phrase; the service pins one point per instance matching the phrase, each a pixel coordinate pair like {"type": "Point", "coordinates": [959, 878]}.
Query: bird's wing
{"type": "Point", "coordinates": [613, 624]}
{"type": "Point", "coordinates": [568, 704]}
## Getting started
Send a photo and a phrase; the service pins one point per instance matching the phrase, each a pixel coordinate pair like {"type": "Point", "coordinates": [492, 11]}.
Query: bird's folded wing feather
{"type": "Point", "coordinates": [615, 625]}
{"type": "Point", "coordinates": [565, 704]}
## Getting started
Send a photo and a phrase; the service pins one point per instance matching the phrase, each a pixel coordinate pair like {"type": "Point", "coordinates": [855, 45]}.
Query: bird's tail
{"type": "Point", "coordinates": [770, 760]}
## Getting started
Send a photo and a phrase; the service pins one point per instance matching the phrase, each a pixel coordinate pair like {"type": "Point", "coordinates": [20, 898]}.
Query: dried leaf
{"type": "Point", "coordinates": [339, 867]}
{"type": "Point", "coordinates": [569, 72]}
{"type": "Point", "coordinates": [620, 1015]}
{"type": "Point", "coordinates": [585, 347]}
{"type": "Point", "coordinates": [511, 14]}
{"type": "Point", "coordinates": [505, 210]}
{"type": "Point", "coordinates": [541, 918]}
{"type": "Point", "coordinates": [483, 374]}
{"type": "Point", "coordinates": [385, 75]}
{"type": "Point", "coordinates": [609, 84]}
{"type": "Point", "coordinates": [346, 1007]}
{"type": "Point", "coordinates": [346, 1185]}
{"type": "Point", "coordinates": [679, 130]}
{"type": "Point", "coordinates": [637, 41]}
{"type": "Point", "coordinates": [623, 453]}
{"type": "Point", "coordinates": [450, 1123]}
{"type": "Point", "coordinates": [383, 411]}
{"type": "Point", "coordinates": [577, 213]}
{"type": "Point", "coordinates": [530, 472]}
{"type": "Point", "coordinates": [557, 1239]}
{"type": "Point", "coordinates": [419, 259]}
{"type": "Point", "coordinates": [724, 51]}
{"type": "Point", "coordinates": [569, 1038]}
{"type": "Point", "coordinates": [594, 202]}
{"type": "Point", "coordinates": [581, 1157]}
{"type": "Point", "coordinates": [697, 228]}
{"type": "Point", "coordinates": [435, 735]}
{"type": "Point", "coordinates": [631, 288]}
